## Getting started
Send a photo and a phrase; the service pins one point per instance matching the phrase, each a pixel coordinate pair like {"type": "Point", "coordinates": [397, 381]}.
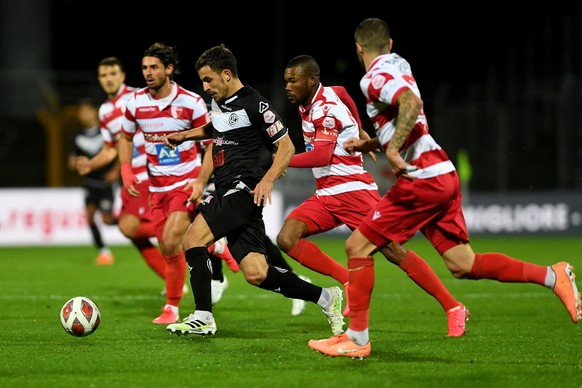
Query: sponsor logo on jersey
{"type": "Point", "coordinates": [167, 156]}
{"type": "Point", "coordinates": [269, 117]}
{"type": "Point", "coordinates": [146, 109]}
{"type": "Point", "coordinates": [263, 106]}
{"type": "Point", "coordinates": [220, 141]}
{"type": "Point", "coordinates": [176, 111]}
{"type": "Point", "coordinates": [376, 215]}
{"type": "Point", "coordinates": [276, 127]}
{"type": "Point", "coordinates": [232, 119]}
{"type": "Point", "coordinates": [152, 137]}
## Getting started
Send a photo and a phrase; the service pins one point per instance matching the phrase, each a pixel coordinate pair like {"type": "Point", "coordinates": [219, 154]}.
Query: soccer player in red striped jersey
{"type": "Point", "coordinates": [345, 191]}
{"type": "Point", "coordinates": [161, 108]}
{"type": "Point", "coordinates": [426, 197]}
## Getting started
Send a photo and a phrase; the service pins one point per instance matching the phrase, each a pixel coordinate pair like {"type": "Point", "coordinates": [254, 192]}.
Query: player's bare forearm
{"type": "Point", "coordinates": [207, 166]}
{"type": "Point", "coordinates": [285, 151]}
{"type": "Point", "coordinates": [356, 144]}
{"type": "Point", "coordinates": [125, 148]}
{"type": "Point", "coordinates": [409, 107]}
{"type": "Point", "coordinates": [199, 133]}
{"type": "Point", "coordinates": [104, 157]}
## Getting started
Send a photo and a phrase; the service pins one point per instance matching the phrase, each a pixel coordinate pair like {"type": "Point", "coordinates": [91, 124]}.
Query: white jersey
{"type": "Point", "coordinates": [181, 110]}
{"type": "Point", "coordinates": [327, 118]}
{"type": "Point", "coordinates": [111, 114]}
{"type": "Point", "coordinates": [390, 75]}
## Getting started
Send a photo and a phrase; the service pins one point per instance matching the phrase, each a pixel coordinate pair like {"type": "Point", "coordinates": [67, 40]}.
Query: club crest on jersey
{"type": "Point", "coordinates": [269, 117]}
{"type": "Point", "coordinates": [378, 81]}
{"type": "Point", "coordinates": [328, 122]}
{"type": "Point", "coordinates": [176, 111]}
{"type": "Point", "coordinates": [263, 106]}
{"type": "Point", "coordinates": [232, 119]}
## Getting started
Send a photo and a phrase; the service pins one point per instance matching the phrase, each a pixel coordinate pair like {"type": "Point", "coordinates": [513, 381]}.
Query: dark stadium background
{"type": "Point", "coordinates": [504, 86]}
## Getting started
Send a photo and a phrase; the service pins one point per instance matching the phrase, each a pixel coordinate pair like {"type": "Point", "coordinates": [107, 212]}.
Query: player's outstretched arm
{"type": "Point", "coordinates": [199, 133]}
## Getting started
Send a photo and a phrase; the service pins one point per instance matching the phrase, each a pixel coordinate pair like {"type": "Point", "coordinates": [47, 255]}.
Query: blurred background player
{"type": "Point", "coordinates": [134, 220]}
{"type": "Point", "coordinates": [99, 184]}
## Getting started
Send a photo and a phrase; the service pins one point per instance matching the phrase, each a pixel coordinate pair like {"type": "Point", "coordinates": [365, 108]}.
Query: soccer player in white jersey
{"type": "Point", "coordinates": [161, 108]}
{"type": "Point", "coordinates": [345, 191]}
{"type": "Point", "coordinates": [426, 197]}
{"type": "Point", "coordinates": [134, 220]}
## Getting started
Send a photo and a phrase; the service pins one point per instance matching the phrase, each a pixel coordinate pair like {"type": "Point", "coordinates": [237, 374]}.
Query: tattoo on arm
{"type": "Point", "coordinates": [409, 106]}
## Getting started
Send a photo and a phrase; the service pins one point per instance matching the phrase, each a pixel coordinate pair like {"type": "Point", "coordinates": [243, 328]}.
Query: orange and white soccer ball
{"type": "Point", "coordinates": [80, 316]}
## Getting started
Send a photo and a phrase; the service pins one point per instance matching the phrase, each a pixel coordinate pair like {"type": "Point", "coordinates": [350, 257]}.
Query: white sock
{"type": "Point", "coordinates": [219, 246]}
{"type": "Point", "coordinates": [359, 337]}
{"type": "Point", "coordinates": [205, 316]}
{"type": "Point", "coordinates": [550, 280]}
{"type": "Point", "coordinates": [175, 309]}
{"type": "Point", "coordinates": [324, 299]}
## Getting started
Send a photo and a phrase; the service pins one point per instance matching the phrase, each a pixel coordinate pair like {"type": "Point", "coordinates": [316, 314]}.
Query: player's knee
{"type": "Point", "coordinates": [285, 241]}
{"type": "Point", "coordinates": [126, 229]}
{"type": "Point", "coordinates": [354, 249]}
{"type": "Point", "coordinates": [254, 269]}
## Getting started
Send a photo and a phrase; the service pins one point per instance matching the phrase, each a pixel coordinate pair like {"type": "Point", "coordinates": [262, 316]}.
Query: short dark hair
{"type": "Point", "coordinates": [166, 54]}
{"type": "Point", "coordinates": [218, 58]}
{"type": "Point", "coordinates": [373, 33]}
{"type": "Point", "coordinates": [110, 61]}
{"type": "Point", "coordinates": [307, 63]}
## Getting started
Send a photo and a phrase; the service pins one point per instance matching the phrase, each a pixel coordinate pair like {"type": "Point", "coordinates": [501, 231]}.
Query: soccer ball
{"type": "Point", "coordinates": [80, 316]}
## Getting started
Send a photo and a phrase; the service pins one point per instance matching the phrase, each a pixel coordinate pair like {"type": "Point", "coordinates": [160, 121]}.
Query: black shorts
{"type": "Point", "coordinates": [231, 213]}
{"type": "Point", "coordinates": [101, 197]}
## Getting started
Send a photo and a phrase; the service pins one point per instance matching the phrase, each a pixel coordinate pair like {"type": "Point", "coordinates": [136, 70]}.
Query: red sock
{"type": "Point", "coordinates": [361, 272]}
{"type": "Point", "coordinates": [175, 277]}
{"type": "Point", "coordinates": [500, 267]}
{"type": "Point", "coordinates": [145, 229]}
{"type": "Point", "coordinates": [309, 255]}
{"type": "Point", "coordinates": [422, 274]}
{"type": "Point", "coordinates": [152, 255]}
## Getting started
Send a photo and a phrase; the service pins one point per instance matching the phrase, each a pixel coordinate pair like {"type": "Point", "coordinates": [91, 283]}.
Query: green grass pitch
{"type": "Point", "coordinates": [519, 335]}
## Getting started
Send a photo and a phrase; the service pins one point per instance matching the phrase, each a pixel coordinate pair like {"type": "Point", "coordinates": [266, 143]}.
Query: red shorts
{"type": "Point", "coordinates": [323, 213]}
{"type": "Point", "coordinates": [137, 206]}
{"type": "Point", "coordinates": [432, 206]}
{"type": "Point", "coordinates": [168, 202]}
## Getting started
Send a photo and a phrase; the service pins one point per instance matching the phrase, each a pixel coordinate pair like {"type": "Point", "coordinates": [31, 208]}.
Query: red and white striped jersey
{"type": "Point", "coordinates": [181, 110]}
{"type": "Point", "coordinates": [111, 114]}
{"type": "Point", "coordinates": [327, 118]}
{"type": "Point", "coordinates": [390, 75]}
